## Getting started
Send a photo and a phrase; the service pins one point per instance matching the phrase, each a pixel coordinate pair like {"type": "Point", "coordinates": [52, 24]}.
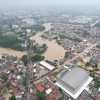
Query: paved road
{"type": "Point", "coordinates": [80, 54]}
{"type": "Point", "coordinates": [95, 22]}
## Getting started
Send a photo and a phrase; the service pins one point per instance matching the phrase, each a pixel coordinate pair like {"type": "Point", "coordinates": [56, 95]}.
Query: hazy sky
{"type": "Point", "coordinates": [12, 3]}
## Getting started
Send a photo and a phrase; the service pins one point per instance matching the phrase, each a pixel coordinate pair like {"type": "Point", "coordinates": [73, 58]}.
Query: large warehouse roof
{"type": "Point", "coordinates": [48, 66]}
{"type": "Point", "coordinates": [75, 95]}
{"type": "Point", "coordinates": [75, 77]}
{"type": "Point", "coordinates": [73, 81]}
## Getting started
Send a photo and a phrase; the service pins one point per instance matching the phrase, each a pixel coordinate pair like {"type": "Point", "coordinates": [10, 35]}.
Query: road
{"type": "Point", "coordinates": [95, 23]}
{"type": "Point", "coordinates": [82, 53]}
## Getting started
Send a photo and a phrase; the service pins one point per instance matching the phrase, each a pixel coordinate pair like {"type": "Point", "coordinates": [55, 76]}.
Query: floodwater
{"type": "Point", "coordinates": [54, 51]}
{"type": "Point", "coordinates": [11, 52]}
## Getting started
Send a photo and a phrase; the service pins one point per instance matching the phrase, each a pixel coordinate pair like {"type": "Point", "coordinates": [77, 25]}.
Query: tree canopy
{"type": "Point", "coordinates": [41, 96]}
{"type": "Point", "coordinates": [10, 42]}
{"type": "Point", "coordinates": [12, 97]}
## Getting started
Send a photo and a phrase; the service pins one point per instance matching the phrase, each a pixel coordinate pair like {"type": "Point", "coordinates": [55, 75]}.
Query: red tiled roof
{"type": "Point", "coordinates": [57, 94]}
{"type": "Point", "coordinates": [98, 50]}
{"type": "Point", "coordinates": [1, 86]}
{"type": "Point", "coordinates": [98, 58]}
{"type": "Point", "coordinates": [49, 85]}
{"type": "Point", "coordinates": [16, 90]}
{"type": "Point", "coordinates": [50, 97]}
{"type": "Point", "coordinates": [39, 87]}
{"type": "Point", "coordinates": [98, 98]}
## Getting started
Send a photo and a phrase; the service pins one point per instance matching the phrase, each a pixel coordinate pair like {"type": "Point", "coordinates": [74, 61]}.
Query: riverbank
{"type": "Point", "coordinates": [10, 52]}
{"type": "Point", "coordinates": [54, 51]}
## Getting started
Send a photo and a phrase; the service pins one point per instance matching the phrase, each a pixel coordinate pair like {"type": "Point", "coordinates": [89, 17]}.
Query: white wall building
{"type": "Point", "coordinates": [73, 81]}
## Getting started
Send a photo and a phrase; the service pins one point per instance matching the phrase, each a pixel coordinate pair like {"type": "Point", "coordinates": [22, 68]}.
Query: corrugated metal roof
{"type": "Point", "coordinates": [48, 66]}
{"type": "Point", "coordinates": [74, 77]}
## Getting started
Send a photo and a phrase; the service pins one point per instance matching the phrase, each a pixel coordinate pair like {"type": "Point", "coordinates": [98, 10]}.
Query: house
{"type": "Point", "coordinates": [18, 92]}
{"type": "Point", "coordinates": [39, 87]}
{"type": "Point", "coordinates": [2, 86]}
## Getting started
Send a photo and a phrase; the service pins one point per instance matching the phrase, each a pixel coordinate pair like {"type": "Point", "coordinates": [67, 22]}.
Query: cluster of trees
{"type": "Point", "coordinates": [24, 59]}
{"type": "Point", "coordinates": [12, 97]}
{"type": "Point", "coordinates": [10, 42]}
{"type": "Point", "coordinates": [38, 28]}
{"type": "Point", "coordinates": [24, 82]}
{"type": "Point", "coordinates": [66, 54]}
{"type": "Point", "coordinates": [34, 58]}
{"type": "Point", "coordinates": [37, 58]}
{"type": "Point", "coordinates": [41, 96]}
{"type": "Point", "coordinates": [39, 49]}
{"type": "Point", "coordinates": [75, 39]}
{"type": "Point", "coordinates": [98, 46]}
{"type": "Point", "coordinates": [35, 28]}
{"type": "Point", "coordinates": [97, 84]}
{"type": "Point", "coordinates": [62, 36]}
{"type": "Point", "coordinates": [93, 63]}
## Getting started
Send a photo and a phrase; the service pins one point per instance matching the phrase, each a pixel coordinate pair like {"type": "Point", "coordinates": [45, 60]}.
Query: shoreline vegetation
{"type": "Point", "coordinates": [35, 28]}
{"type": "Point", "coordinates": [39, 49]}
{"type": "Point", "coordinates": [51, 50]}
{"type": "Point", "coordinates": [54, 50]}
{"type": "Point", "coordinates": [11, 42]}
{"type": "Point", "coordinates": [34, 58]}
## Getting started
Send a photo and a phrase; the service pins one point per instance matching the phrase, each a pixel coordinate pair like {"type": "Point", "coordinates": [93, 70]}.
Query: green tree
{"type": "Point", "coordinates": [4, 77]}
{"type": "Point", "coordinates": [66, 54]}
{"type": "Point", "coordinates": [87, 64]}
{"type": "Point", "coordinates": [35, 28]}
{"type": "Point", "coordinates": [12, 97]}
{"type": "Point", "coordinates": [94, 64]}
{"type": "Point", "coordinates": [97, 84]}
{"type": "Point", "coordinates": [95, 67]}
{"type": "Point", "coordinates": [24, 81]}
{"type": "Point", "coordinates": [11, 42]}
{"type": "Point", "coordinates": [60, 90]}
{"type": "Point", "coordinates": [41, 96]}
{"type": "Point", "coordinates": [39, 49]}
{"type": "Point", "coordinates": [24, 59]}
{"type": "Point", "coordinates": [37, 58]}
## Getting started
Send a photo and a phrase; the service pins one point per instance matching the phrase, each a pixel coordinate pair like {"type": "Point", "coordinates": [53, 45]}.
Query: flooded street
{"type": "Point", "coordinates": [54, 51]}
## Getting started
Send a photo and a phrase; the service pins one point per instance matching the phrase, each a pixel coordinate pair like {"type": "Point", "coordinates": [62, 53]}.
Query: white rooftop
{"type": "Point", "coordinates": [73, 81]}
{"type": "Point", "coordinates": [99, 89]}
{"type": "Point", "coordinates": [48, 91]}
{"type": "Point", "coordinates": [18, 77]}
{"type": "Point", "coordinates": [73, 77]}
{"type": "Point", "coordinates": [48, 66]}
{"type": "Point", "coordinates": [78, 92]}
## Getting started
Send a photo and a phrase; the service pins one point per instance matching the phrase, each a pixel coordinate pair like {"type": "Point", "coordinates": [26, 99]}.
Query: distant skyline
{"type": "Point", "coordinates": [36, 3]}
